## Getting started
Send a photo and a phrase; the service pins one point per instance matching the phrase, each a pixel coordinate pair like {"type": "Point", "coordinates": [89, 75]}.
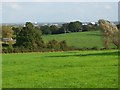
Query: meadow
{"type": "Point", "coordinates": [80, 39]}
{"type": "Point", "coordinates": [70, 69]}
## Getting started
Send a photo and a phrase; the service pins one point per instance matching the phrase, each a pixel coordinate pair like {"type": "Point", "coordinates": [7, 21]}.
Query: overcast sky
{"type": "Point", "coordinates": [20, 12]}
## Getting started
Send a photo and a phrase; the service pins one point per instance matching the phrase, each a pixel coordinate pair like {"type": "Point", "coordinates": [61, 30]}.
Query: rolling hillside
{"type": "Point", "coordinates": [80, 39]}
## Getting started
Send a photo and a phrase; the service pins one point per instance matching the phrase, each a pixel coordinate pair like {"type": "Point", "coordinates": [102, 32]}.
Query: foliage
{"type": "Point", "coordinates": [45, 30]}
{"type": "Point", "coordinates": [54, 29]}
{"type": "Point", "coordinates": [65, 27]}
{"type": "Point", "coordinates": [16, 30]}
{"type": "Point", "coordinates": [110, 32]}
{"type": "Point", "coordinates": [85, 28]}
{"type": "Point", "coordinates": [90, 27]}
{"type": "Point", "coordinates": [63, 45]}
{"type": "Point", "coordinates": [7, 32]}
{"type": "Point", "coordinates": [7, 48]}
{"type": "Point", "coordinates": [79, 40]}
{"type": "Point", "coordinates": [55, 45]}
{"type": "Point", "coordinates": [75, 26]}
{"type": "Point", "coordinates": [30, 37]}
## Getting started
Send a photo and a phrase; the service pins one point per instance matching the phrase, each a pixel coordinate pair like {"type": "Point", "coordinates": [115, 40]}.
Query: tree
{"type": "Point", "coordinates": [92, 27]}
{"type": "Point", "coordinates": [110, 32]}
{"type": "Point", "coordinates": [7, 32]}
{"type": "Point", "coordinates": [45, 30]}
{"type": "Point", "coordinates": [30, 37]}
{"type": "Point", "coordinates": [65, 27]}
{"type": "Point", "coordinates": [75, 26]}
{"type": "Point", "coordinates": [54, 29]}
{"type": "Point", "coordinates": [16, 30]}
{"type": "Point", "coordinates": [85, 28]}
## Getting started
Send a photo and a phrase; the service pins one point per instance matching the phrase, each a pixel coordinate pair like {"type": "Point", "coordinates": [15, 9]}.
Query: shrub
{"type": "Point", "coordinates": [53, 45]}
{"type": "Point", "coordinates": [63, 45]}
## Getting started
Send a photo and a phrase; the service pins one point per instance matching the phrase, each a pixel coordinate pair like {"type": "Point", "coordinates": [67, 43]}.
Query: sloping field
{"type": "Point", "coordinates": [80, 39]}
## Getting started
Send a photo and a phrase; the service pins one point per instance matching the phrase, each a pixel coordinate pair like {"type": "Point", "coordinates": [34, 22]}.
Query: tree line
{"type": "Point", "coordinates": [28, 39]}
{"type": "Point", "coordinates": [65, 28]}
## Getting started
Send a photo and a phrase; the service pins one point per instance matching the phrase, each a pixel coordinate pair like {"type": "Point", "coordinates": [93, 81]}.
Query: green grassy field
{"type": "Point", "coordinates": [80, 39]}
{"type": "Point", "coordinates": [74, 69]}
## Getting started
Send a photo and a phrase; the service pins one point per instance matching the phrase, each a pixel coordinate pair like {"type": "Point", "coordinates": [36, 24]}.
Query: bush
{"type": "Point", "coordinates": [95, 48]}
{"type": "Point", "coordinates": [53, 45]}
{"type": "Point", "coordinates": [7, 50]}
{"type": "Point", "coordinates": [63, 45]}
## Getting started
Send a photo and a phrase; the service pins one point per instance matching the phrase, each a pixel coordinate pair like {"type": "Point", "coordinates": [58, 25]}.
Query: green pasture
{"type": "Point", "coordinates": [71, 69]}
{"type": "Point", "coordinates": [80, 39]}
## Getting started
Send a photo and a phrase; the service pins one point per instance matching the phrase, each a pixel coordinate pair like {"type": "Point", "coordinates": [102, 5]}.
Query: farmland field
{"type": "Point", "coordinates": [73, 69]}
{"type": "Point", "coordinates": [80, 39]}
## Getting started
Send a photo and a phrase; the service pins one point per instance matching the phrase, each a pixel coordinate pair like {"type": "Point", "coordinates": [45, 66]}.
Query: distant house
{"type": "Point", "coordinates": [93, 23]}
{"type": "Point", "coordinates": [6, 39]}
{"type": "Point", "coordinates": [84, 23]}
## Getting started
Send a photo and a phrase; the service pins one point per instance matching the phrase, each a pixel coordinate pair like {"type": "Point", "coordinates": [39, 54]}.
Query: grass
{"type": "Point", "coordinates": [80, 39]}
{"type": "Point", "coordinates": [73, 69]}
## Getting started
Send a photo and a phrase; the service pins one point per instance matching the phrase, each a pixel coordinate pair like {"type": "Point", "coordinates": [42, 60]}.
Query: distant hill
{"type": "Point", "coordinates": [80, 39]}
